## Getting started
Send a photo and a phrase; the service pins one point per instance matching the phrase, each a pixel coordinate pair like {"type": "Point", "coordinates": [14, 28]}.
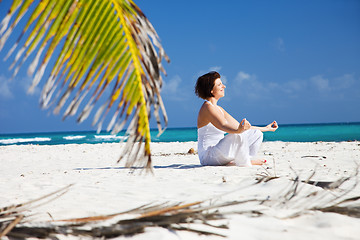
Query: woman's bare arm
{"type": "Point", "coordinates": [272, 127]}
{"type": "Point", "coordinates": [230, 118]}
{"type": "Point", "coordinates": [224, 121]}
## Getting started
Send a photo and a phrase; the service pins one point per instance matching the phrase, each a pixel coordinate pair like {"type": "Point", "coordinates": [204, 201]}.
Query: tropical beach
{"type": "Point", "coordinates": [291, 74]}
{"type": "Point", "coordinates": [100, 186]}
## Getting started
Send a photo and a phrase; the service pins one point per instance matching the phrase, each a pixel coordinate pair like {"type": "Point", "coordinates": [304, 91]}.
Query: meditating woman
{"type": "Point", "coordinates": [243, 140]}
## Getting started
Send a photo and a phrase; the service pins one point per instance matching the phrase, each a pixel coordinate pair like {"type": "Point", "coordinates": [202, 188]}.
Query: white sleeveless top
{"type": "Point", "coordinates": [208, 136]}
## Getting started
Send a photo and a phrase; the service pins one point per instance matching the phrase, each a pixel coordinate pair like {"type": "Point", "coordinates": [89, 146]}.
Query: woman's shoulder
{"type": "Point", "coordinates": [205, 109]}
{"type": "Point", "coordinates": [221, 108]}
{"type": "Point", "coordinates": [206, 106]}
{"type": "Point", "coordinates": [209, 109]}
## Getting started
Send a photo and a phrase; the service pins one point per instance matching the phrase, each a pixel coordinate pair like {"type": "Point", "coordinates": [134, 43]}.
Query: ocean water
{"type": "Point", "coordinates": [288, 133]}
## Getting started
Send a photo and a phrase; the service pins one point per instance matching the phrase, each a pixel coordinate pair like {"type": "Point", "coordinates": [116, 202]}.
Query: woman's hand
{"type": "Point", "coordinates": [272, 126]}
{"type": "Point", "coordinates": [244, 125]}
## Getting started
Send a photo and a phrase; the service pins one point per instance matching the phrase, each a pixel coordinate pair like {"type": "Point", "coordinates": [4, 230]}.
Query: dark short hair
{"type": "Point", "coordinates": [205, 84]}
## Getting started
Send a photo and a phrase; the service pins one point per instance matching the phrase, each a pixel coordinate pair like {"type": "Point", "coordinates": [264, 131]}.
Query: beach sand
{"type": "Point", "coordinates": [101, 186]}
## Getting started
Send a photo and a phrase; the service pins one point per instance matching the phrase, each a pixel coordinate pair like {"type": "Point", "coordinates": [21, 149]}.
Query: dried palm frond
{"type": "Point", "coordinates": [172, 216]}
{"type": "Point", "coordinates": [203, 217]}
{"type": "Point", "coordinates": [91, 45]}
{"type": "Point", "coordinates": [11, 215]}
{"type": "Point", "coordinates": [351, 211]}
{"type": "Point", "coordinates": [329, 197]}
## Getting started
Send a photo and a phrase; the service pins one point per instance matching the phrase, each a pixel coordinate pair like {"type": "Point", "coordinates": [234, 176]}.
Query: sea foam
{"type": "Point", "coordinates": [109, 137]}
{"type": "Point", "coordinates": [73, 137]}
{"type": "Point", "coordinates": [23, 140]}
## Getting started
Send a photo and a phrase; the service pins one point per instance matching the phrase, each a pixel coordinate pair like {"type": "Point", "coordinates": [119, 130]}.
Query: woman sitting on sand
{"type": "Point", "coordinates": [216, 148]}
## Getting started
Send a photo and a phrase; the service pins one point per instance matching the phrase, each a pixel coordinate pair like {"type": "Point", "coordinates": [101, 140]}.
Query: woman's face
{"type": "Point", "coordinates": [219, 89]}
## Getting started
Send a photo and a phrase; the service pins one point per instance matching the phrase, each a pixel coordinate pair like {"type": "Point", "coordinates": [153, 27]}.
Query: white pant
{"type": "Point", "coordinates": [239, 148]}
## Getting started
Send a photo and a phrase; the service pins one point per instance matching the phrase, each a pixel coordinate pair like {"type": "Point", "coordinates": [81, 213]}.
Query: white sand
{"type": "Point", "coordinates": [103, 187]}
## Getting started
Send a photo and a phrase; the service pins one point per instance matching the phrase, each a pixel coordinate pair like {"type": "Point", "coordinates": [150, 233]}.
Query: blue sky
{"type": "Point", "coordinates": [290, 61]}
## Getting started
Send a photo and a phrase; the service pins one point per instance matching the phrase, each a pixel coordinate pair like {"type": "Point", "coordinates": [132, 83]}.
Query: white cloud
{"type": "Point", "coordinates": [293, 87]}
{"type": "Point", "coordinates": [5, 88]}
{"type": "Point", "coordinates": [321, 83]}
{"type": "Point", "coordinates": [345, 81]}
{"type": "Point", "coordinates": [243, 76]}
{"type": "Point", "coordinates": [246, 84]}
{"type": "Point", "coordinates": [26, 82]}
{"type": "Point", "coordinates": [215, 68]}
{"type": "Point", "coordinates": [249, 86]}
{"type": "Point", "coordinates": [171, 87]}
{"type": "Point", "coordinates": [336, 87]}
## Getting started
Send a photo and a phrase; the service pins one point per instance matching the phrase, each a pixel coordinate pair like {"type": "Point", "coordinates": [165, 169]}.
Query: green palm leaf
{"type": "Point", "coordinates": [96, 46]}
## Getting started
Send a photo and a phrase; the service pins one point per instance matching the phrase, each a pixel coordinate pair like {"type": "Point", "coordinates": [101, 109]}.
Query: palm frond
{"type": "Point", "coordinates": [84, 49]}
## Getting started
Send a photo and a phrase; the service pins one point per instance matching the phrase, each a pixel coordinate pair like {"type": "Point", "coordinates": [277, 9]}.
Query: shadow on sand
{"type": "Point", "coordinates": [172, 166]}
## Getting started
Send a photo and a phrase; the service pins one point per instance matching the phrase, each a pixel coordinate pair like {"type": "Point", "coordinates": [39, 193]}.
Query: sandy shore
{"type": "Point", "coordinates": [103, 187]}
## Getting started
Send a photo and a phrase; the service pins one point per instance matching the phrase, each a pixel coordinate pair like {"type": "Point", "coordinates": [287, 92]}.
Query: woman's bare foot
{"type": "Point", "coordinates": [258, 162]}
{"type": "Point", "coordinates": [232, 163]}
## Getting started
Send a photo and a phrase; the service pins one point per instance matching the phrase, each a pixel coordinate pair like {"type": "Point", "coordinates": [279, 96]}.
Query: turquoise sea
{"type": "Point", "coordinates": [288, 133]}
